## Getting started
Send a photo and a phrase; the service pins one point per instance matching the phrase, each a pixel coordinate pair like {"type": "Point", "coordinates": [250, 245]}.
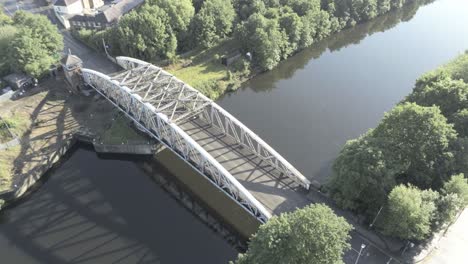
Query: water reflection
{"type": "Point", "coordinates": [336, 42]}
{"type": "Point", "coordinates": [105, 211]}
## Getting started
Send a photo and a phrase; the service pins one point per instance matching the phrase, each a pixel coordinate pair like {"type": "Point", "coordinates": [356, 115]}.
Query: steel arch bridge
{"type": "Point", "coordinates": [183, 120]}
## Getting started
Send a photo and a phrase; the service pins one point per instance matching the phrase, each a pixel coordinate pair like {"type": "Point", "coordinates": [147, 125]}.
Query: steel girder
{"type": "Point", "coordinates": [211, 113]}
{"type": "Point", "coordinates": [159, 126]}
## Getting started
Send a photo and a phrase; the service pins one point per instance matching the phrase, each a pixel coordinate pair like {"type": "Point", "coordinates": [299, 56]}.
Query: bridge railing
{"type": "Point", "coordinates": [221, 119]}
{"type": "Point", "coordinates": [158, 126]}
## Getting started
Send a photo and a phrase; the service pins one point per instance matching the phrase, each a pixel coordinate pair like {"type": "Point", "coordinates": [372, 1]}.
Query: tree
{"type": "Point", "coordinates": [213, 22]}
{"type": "Point", "coordinates": [438, 88]}
{"type": "Point", "coordinates": [292, 26]}
{"type": "Point", "coordinates": [363, 175]}
{"type": "Point", "coordinates": [180, 13]}
{"type": "Point", "coordinates": [246, 8]}
{"type": "Point", "coordinates": [302, 7]}
{"type": "Point", "coordinates": [313, 234]}
{"type": "Point", "coordinates": [460, 121]}
{"type": "Point", "coordinates": [7, 34]}
{"type": "Point", "coordinates": [28, 54]}
{"type": "Point", "coordinates": [458, 185]}
{"type": "Point", "coordinates": [41, 29]}
{"type": "Point", "coordinates": [4, 19]}
{"type": "Point", "coordinates": [146, 34]}
{"type": "Point", "coordinates": [418, 138]}
{"type": "Point", "coordinates": [409, 212]}
{"type": "Point", "coordinates": [263, 38]}
{"type": "Point", "coordinates": [36, 46]}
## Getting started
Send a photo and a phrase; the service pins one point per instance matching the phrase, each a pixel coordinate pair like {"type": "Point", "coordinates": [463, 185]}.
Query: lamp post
{"type": "Point", "coordinates": [360, 251]}
{"type": "Point", "coordinates": [375, 218]}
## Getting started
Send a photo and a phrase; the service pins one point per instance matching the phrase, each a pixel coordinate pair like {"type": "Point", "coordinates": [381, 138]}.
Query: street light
{"type": "Point", "coordinates": [359, 255]}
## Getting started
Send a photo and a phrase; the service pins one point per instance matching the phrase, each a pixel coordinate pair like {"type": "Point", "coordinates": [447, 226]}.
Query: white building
{"type": "Point", "coordinates": [66, 9]}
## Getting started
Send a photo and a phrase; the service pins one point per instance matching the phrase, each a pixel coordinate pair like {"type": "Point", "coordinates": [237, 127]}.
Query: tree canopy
{"type": "Point", "coordinates": [363, 175]}
{"type": "Point", "coordinates": [145, 33]}
{"type": "Point", "coordinates": [36, 46]}
{"type": "Point", "coordinates": [262, 37]}
{"type": "Point", "coordinates": [313, 234]}
{"type": "Point", "coordinates": [180, 13]}
{"type": "Point", "coordinates": [213, 22]}
{"type": "Point", "coordinates": [409, 212]}
{"type": "Point", "coordinates": [458, 185]}
{"type": "Point", "coordinates": [420, 138]}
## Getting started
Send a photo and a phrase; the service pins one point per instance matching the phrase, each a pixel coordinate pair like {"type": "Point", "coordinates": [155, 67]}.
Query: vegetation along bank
{"type": "Point", "coordinates": [411, 169]}
{"type": "Point", "coordinates": [191, 37]}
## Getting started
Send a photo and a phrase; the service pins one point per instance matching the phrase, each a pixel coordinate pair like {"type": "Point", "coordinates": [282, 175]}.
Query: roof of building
{"type": "Point", "coordinates": [71, 60]}
{"type": "Point", "coordinates": [109, 13]}
{"type": "Point", "coordinates": [65, 2]}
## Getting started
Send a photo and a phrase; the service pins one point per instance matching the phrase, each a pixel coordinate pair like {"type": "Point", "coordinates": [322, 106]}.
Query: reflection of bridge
{"type": "Point", "coordinates": [203, 134]}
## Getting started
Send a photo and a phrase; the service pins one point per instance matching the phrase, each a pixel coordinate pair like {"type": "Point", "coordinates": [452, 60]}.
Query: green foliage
{"type": "Point", "coordinates": [438, 88]}
{"type": "Point", "coordinates": [447, 208]}
{"type": "Point", "coordinates": [363, 175]}
{"type": "Point", "coordinates": [41, 29]}
{"type": "Point", "coordinates": [245, 8]}
{"type": "Point", "coordinates": [36, 46]}
{"type": "Point", "coordinates": [7, 34]}
{"type": "Point", "coordinates": [418, 138]}
{"type": "Point", "coordinates": [263, 38]}
{"type": "Point", "coordinates": [180, 13]}
{"type": "Point", "coordinates": [409, 212]}
{"type": "Point", "coordinates": [313, 234]}
{"type": "Point", "coordinates": [458, 185]}
{"type": "Point", "coordinates": [460, 120]}
{"type": "Point", "coordinates": [145, 34]}
{"type": "Point", "coordinates": [213, 22]}
{"type": "Point", "coordinates": [4, 19]}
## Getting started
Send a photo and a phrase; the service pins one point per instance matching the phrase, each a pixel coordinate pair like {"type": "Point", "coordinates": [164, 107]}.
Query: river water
{"type": "Point", "coordinates": [95, 210]}
{"type": "Point", "coordinates": [310, 105]}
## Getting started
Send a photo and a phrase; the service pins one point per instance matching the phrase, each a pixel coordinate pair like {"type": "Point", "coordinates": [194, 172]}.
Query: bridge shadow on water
{"type": "Point", "coordinates": [106, 213]}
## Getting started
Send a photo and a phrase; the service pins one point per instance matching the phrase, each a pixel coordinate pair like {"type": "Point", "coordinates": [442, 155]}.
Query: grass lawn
{"type": "Point", "coordinates": [7, 157]}
{"type": "Point", "coordinates": [205, 71]}
{"type": "Point", "coordinates": [17, 123]}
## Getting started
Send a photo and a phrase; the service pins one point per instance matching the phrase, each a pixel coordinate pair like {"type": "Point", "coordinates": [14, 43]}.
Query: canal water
{"type": "Point", "coordinates": [310, 105]}
{"type": "Point", "coordinates": [94, 210]}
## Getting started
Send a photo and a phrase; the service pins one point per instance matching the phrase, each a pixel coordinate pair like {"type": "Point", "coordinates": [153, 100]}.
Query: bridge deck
{"type": "Point", "coordinates": [276, 192]}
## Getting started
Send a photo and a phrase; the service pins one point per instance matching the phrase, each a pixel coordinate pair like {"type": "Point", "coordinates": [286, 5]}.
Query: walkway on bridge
{"type": "Point", "coordinates": [207, 137]}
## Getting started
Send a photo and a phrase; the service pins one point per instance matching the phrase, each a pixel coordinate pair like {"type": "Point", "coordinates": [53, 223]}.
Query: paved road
{"type": "Point", "coordinates": [453, 247]}
{"type": "Point", "coordinates": [96, 61]}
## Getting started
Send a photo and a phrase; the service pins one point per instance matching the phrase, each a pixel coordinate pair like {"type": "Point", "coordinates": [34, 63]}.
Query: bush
{"type": "Point", "coordinates": [409, 212]}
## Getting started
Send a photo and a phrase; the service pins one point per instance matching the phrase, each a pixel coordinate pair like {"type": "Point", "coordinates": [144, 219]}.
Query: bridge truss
{"type": "Point", "coordinates": [157, 101]}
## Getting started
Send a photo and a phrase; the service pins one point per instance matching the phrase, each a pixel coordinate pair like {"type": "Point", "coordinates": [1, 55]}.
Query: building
{"type": "Point", "coordinates": [92, 14]}
{"type": "Point", "coordinates": [72, 65]}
